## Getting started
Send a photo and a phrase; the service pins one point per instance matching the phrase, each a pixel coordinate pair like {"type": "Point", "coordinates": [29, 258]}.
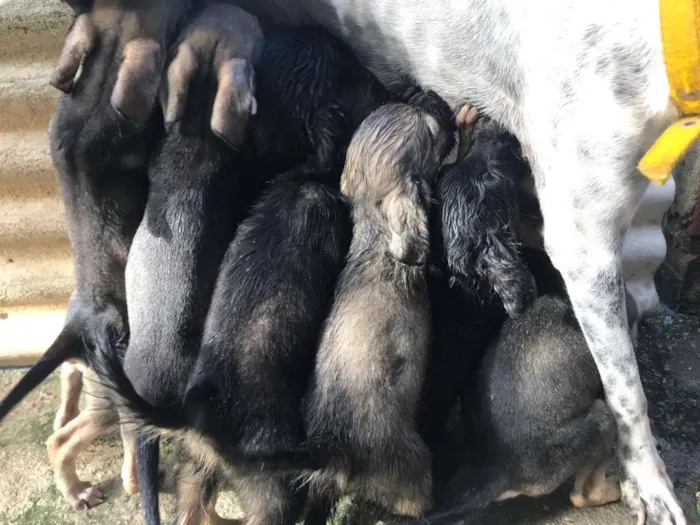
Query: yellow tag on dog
{"type": "Point", "coordinates": [680, 34]}
{"type": "Point", "coordinates": [658, 163]}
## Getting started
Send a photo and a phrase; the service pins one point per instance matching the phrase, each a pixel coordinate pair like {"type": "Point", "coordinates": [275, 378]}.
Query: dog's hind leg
{"type": "Point", "coordinates": [71, 387]}
{"type": "Point", "coordinates": [593, 488]}
{"type": "Point", "coordinates": [588, 188]}
{"type": "Point", "coordinates": [267, 499]}
{"type": "Point", "coordinates": [130, 478]}
{"type": "Point", "coordinates": [64, 447]}
{"type": "Point", "coordinates": [576, 447]}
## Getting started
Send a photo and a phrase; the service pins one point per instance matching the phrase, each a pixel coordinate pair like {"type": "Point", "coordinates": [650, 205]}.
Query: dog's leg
{"type": "Point", "coordinates": [130, 478]}
{"type": "Point", "coordinates": [588, 191]}
{"type": "Point", "coordinates": [591, 487]}
{"type": "Point", "coordinates": [66, 444]}
{"type": "Point", "coordinates": [197, 491]}
{"type": "Point", "coordinates": [267, 499]}
{"type": "Point", "coordinates": [71, 387]}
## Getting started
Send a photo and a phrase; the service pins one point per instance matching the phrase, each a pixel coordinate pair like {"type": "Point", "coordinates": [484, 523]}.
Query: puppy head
{"type": "Point", "coordinates": [390, 164]}
{"type": "Point", "coordinates": [137, 35]}
{"type": "Point", "coordinates": [220, 45]}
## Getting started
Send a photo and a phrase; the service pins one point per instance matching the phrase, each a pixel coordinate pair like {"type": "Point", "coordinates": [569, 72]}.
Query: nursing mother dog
{"type": "Point", "coordinates": [583, 86]}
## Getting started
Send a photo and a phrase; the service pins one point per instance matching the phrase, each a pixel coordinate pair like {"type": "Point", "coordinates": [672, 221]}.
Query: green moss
{"type": "Point", "coordinates": [167, 448]}
{"type": "Point", "coordinates": [31, 430]}
{"type": "Point", "coordinates": [48, 511]}
{"type": "Point", "coordinates": [350, 513]}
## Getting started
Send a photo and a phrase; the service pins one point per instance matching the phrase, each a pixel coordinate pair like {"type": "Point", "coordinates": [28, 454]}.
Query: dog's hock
{"type": "Point", "coordinates": [138, 80]}
{"type": "Point", "coordinates": [235, 101]}
{"type": "Point", "coordinates": [77, 44]}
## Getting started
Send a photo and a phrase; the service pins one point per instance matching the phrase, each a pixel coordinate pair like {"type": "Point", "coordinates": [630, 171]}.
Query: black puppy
{"type": "Point", "coordinates": [534, 414]}
{"type": "Point", "coordinates": [272, 296]}
{"type": "Point", "coordinates": [194, 203]}
{"type": "Point", "coordinates": [480, 216]}
{"type": "Point", "coordinates": [101, 160]}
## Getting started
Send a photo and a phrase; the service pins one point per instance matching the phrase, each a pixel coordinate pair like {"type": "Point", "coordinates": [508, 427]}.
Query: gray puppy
{"type": "Point", "coordinates": [372, 356]}
{"type": "Point", "coordinates": [196, 198]}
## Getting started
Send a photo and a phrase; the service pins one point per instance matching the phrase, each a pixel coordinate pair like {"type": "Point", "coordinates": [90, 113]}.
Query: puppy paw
{"type": "Point", "coordinates": [466, 122]}
{"type": "Point", "coordinates": [596, 496]}
{"type": "Point", "coordinates": [83, 496]}
{"type": "Point", "coordinates": [466, 116]}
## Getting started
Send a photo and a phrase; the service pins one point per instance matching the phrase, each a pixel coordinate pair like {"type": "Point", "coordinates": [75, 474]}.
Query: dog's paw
{"type": "Point", "coordinates": [608, 491]}
{"type": "Point", "coordinates": [83, 496]}
{"type": "Point", "coordinates": [648, 492]}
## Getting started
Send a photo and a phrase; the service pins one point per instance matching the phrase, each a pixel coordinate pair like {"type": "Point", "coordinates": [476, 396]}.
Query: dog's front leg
{"type": "Point", "coordinates": [587, 206]}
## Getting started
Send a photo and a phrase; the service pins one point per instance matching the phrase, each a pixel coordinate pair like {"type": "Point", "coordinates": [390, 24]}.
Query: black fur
{"type": "Point", "coordinates": [313, 94]}
{"type": "Point", "coordinates": [480, 216]}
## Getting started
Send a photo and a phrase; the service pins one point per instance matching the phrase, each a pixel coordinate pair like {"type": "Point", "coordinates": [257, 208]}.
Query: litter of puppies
{"type": "Point", "coordinates": [276, 265]}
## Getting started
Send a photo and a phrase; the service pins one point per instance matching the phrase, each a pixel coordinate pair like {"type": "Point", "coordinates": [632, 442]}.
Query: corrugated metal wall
{"type": "Point", "coordinates": [36, 274]}
{"type": "Point", "coordinates": [35, 258]}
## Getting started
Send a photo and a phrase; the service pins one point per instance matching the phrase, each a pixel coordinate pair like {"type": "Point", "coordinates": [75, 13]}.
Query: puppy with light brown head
{"type": "Point", "coordinates": [371, 359]}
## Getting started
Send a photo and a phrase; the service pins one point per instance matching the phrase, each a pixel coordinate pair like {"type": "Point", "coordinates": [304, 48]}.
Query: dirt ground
{"type": "Point", "coordinates": [669, 357]}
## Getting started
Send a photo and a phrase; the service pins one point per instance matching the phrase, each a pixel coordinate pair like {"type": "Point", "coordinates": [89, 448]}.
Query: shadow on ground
{"type": "Point", "coordinates": [669, 357]}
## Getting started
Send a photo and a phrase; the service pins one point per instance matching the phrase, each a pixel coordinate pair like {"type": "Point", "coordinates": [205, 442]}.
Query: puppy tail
{"type": "Point", "coordinates": [479, 487]}
{"type": "Point", "coordinates": [147, 459]}
{"type": "Point", "coordinates": [68, 345]}
{"type": "Point", "coordinates": [108, 368]}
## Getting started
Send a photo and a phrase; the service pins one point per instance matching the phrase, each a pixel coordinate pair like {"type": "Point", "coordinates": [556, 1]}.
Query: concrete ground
{"type": "Point", "coordinates": [669, 356]}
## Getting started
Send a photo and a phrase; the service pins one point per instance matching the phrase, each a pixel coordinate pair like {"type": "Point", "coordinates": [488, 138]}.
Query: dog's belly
{"type": "Point", "coordinates": [465, 50]}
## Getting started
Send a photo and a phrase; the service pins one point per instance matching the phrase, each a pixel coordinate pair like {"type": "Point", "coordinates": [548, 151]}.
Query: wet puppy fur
{"type": "Point", "coordinates": [101, 135]}
{"type": "Point", "coordinates": [310, 202]}
{"type": "Point", "coordinates": [533, 414]}
{"type": "Point", "coordinates": [364, 416]}
{"type": "Point", "coordinates": [480, 216]}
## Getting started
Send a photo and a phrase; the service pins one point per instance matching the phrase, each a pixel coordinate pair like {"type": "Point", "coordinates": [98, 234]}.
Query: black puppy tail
{"type": "Point", "coordinates": [480, 488]}
{"type": "Point", "coordinates": [108, 368]}
{"type": "Point", "coordinates": [68, 345]}
{"type": "Point", "coordinates": [147, 460]}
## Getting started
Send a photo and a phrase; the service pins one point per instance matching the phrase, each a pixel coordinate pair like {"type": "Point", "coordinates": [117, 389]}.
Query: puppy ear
{"type": "Point", "coordinates": [138, 80]}
{"type": "Point", "coordinates": [408, 224]}
{"type": "Point", "coordinates": [76, 46]}
{"type": "Point", "coordinates": [235, 101]}
{"type": "Point", "coordinates": [180, 73]}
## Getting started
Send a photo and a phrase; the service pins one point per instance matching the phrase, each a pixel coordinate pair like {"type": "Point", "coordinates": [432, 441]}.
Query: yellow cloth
{"type": "Point", "coordinates": [680, 34]}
